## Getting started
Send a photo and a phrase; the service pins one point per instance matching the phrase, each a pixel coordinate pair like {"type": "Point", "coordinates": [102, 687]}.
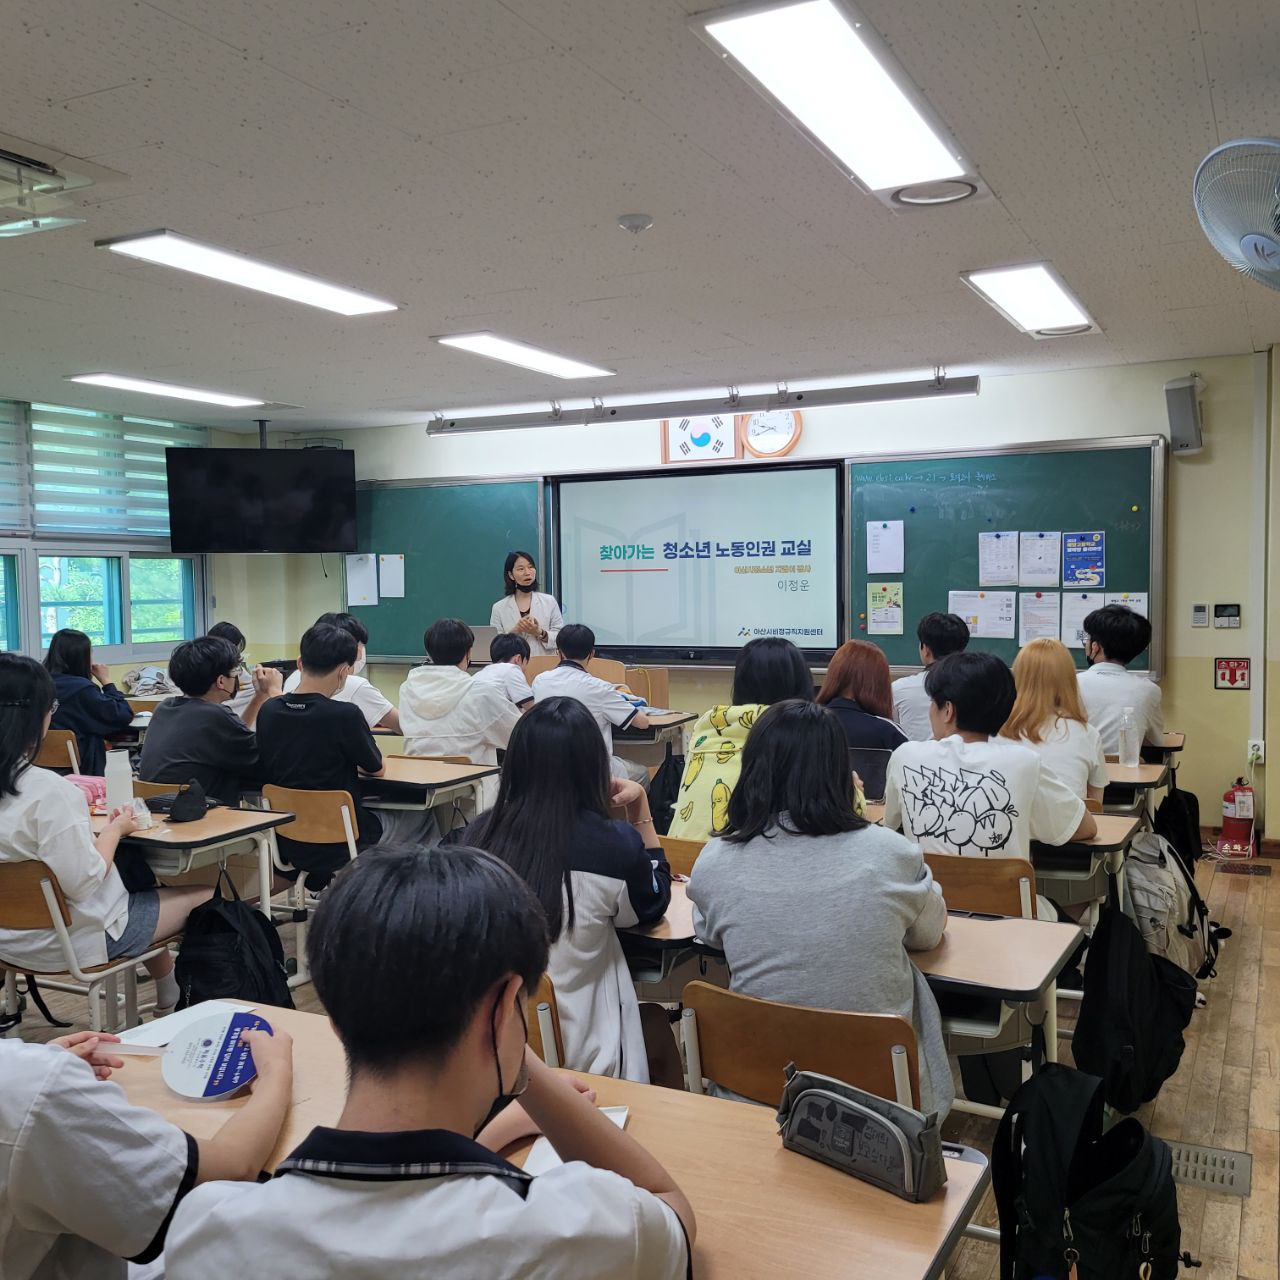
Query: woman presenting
{"type": "Point", "coordinates": [524, 609]}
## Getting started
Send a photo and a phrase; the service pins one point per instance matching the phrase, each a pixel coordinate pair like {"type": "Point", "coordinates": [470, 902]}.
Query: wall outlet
{"type": "Point", "coordinates": [1257, 751]}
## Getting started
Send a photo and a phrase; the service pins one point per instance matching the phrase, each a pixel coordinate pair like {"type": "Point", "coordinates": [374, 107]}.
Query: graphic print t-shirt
{"type": "Point", "coordinates": [987, 799]}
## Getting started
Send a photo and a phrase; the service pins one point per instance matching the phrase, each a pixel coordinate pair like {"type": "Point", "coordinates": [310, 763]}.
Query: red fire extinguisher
{"type": "Point", "coordinates": [1236, 840]}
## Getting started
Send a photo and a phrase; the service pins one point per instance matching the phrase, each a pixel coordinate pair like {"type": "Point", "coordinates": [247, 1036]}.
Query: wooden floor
{"type": "Point", "coordinates": [1226, 1092]}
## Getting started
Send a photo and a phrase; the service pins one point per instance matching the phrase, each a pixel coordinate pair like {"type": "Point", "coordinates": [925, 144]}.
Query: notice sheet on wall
{"type": "Point", "coordinates": [886, 546]}
{"type": "Point", "coordinates": [884, 608]}
{"type": "Point", "coordinates": [998, 559]}
{"type": "Point", "coordinates": [391, 577]}
{"type": "Point", "coordinates": [1138, 601]}
{"type": "Point", "coordinates": [1038, 615]}
{"type": "Point", "coordinates": [1039, 558]}
{"type": "Point", "coordinates": [989, 614]}
{"type": "Point", "coordinates": [1084, 559]}
{"type": "Point", "coordinates": [1076, 606]}
{"type": "Point", "coordinates": [362, 579]}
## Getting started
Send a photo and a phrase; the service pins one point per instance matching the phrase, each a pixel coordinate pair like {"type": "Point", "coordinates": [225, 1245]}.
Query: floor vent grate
{"type": "Point", "coordinates": [1212, 1168]}
{"type": "Point", "coordinates": [1243, 869]}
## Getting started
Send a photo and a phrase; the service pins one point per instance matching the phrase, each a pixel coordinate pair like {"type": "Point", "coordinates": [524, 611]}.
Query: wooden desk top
{"type": "Point", "coordinates": [671, 720]}
{"type": "Point", "coordinates": [762, 1211]}
{"type": "Point", "coordinates": [1140, 776]}
{"type": "Point", "coordinates": [1173, 742]}
{"type": "Point", "coordinates": [675, 929]}
{"type": "Point", "coordinates": [411, 772]}
{"type": "Point", "coordinates": [217, 826]}
{"type": "Point", "coordinates": [1115, 831]}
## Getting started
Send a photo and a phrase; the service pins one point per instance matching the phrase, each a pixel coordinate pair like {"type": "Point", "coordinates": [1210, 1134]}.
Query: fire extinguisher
{"type": "Point", "coordinates": [1236, 840]}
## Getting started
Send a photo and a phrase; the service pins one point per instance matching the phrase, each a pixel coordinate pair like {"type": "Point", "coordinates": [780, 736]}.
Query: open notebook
{"type": "Point", "coordinates": [542, 1156]}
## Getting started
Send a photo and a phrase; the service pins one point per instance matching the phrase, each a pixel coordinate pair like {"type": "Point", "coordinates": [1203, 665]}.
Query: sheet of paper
{"type": "Point", "coordinates": [1038, 615]}
{"type": "Point", "coordinates": [1039, 558]}
{"type": "Point", "coordinates": [162, 1030]}
{"type": "Point", "coordinates": [1076, 606]}
{"type": "Point", "coordinates": [1138, 601]}
{"type": "Point", "coordinates": [391, 577]}
{"type": "Point", "coordinates": [884, 608]}
{"type": "Point", "coordinates": [362, 579]}
{"type": "Point", "coordinates": [998, 559]}
{"type": "Point", "coordinates": [886, 546]}
{"type": "Point", "coordinates": [990, 615]}
{"type": "Point", "coordinates": [542, 1155]}
{"type": "Point", "coordinates": [1084, 559]}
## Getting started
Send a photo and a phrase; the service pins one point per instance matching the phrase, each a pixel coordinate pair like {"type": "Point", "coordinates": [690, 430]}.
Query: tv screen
{"type": "Point", "coordinates": [262, 499]}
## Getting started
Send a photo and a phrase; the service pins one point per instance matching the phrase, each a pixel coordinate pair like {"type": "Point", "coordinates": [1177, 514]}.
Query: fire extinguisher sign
{"type": "Point", "coordinates": [1231, 673]}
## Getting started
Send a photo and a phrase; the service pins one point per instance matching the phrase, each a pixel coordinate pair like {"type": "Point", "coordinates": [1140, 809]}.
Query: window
{"type": "Point", "coordinates": [81, 592]}
{"type": "Point", "coordinates": [162, 599]}
{"type": "Point", "coordinates": [10, 636]}
{"type": "Point", "coordinates": [15, 479]}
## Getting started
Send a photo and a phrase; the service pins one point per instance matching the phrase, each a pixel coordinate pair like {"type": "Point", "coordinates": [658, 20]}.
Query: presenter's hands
{"type": "Point", "coordinates": [529, 626]}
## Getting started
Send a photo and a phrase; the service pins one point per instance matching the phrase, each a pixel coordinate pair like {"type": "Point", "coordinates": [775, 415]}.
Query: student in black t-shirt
{"type": "Point", "coordinates": [195, 737]}
{"type": "Point", "coordinates": [308, 741]}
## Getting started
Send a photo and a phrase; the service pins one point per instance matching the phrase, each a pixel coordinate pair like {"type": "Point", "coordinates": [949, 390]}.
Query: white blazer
{"type": "Point", "coordinates": [543, 609]}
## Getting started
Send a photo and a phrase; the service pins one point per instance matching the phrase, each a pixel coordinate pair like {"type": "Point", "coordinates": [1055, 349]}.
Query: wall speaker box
{"type": "Point", "coordinates": [1182, 401]}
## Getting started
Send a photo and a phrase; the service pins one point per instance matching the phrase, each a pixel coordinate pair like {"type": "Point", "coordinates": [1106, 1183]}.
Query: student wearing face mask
{"type": "Point", "coordinates": [524, 610]}
{"type": "Point", "coordinates": [192, 738]}
{"type": "Point", "coordinates": [426, 965]}
{"type": "Point", "coordinates": [378, 712]}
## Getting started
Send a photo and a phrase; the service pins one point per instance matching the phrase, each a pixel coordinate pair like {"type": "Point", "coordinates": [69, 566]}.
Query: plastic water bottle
{"type": "Point", "coordinates": [119, 781]}
{"type": "Point", "coordinates": [1130, 738]}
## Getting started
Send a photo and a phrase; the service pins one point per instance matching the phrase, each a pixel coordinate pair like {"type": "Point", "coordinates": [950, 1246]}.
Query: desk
{"type": "Point", "coordinates": [1141, 777]}
{"type": "Point", "coordinates": [649, 746]}
{"type": "Point", "coordinates": [1006, 957]}
{"type": "Point", "coordinates": [411, 784]}
{"type": "Point", "coordinates": [1173, 742]}
{"type": "Point", "coordinates": [175, 850]}
{"type": "Point", "coordinates": [762, 1211]}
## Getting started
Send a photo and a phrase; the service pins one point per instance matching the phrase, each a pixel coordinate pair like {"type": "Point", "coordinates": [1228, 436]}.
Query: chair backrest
{"type": "Point", "coordinates": [871, 764]}
{"type": "Point", "coordinates": [59, 751]}
{"type": "Point", "coordinates": [745, 1044]}
{"type": "Point", "coordinates": [146, 789]}
{"type": "Point", "coordinates": [1111, 757]}
{"type": "Point", "coordinates": [545, 994]}
{"type": "Point", "coordinates": [139, 705]}
{"type": "Point", "coordinates": [990, 886]}
{"type": "Point", "coordinates": [681, 854]}
{"type": "Point", "coordinates": [536, 666]}
{"type": "Point", "coordinates": [317, 814]}
{"type": "Point", "coordinates": [608, 669]}
{"type": "Point", "coordinates": [1092, 806]}
{"type": "Point", "coordinates": [442, 759]}
{"type": "Point", "coordinates": [22, 900]}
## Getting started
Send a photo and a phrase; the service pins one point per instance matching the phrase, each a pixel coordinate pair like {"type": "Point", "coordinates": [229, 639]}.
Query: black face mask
{"type": "Point", "coordinates": [521, 1082]}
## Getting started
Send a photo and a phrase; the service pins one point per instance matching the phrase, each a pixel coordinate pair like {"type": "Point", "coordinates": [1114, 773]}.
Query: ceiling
{"type": "Point", "coordinates": [469, 158]}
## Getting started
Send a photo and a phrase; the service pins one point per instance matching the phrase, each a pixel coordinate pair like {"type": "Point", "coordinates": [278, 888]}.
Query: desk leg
{"type": "Point", "coordinates": [1051, 1022]}
{"type": "Point", "coordinates": [264, 840]}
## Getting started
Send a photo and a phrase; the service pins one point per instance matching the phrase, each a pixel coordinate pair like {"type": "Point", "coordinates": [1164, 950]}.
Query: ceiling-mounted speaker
{"type": "Point", "coordinates": [1186, 427]}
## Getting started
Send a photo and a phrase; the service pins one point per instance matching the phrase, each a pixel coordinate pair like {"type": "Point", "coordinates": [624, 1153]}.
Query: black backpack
{"type": "Point", "coordinates": [664, 791]}
{"type": "Point", "coordinates": [231, 951]}
{"type": "Point", "coordinates": [1075, 1201]}
{"type": "Point", "coordinates": [1133, 1012]}
{"type": "Point", "coordinates": [1178, 820]}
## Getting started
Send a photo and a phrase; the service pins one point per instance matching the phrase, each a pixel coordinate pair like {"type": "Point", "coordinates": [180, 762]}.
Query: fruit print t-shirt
{"type": "Point", "coordinates": [990, 799]}
{"type": "Point", "coordinates": [713, 763]}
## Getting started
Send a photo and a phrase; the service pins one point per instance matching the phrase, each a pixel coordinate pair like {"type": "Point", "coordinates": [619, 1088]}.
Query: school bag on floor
{"type": "Point", "coordinates": [1076, 1202]}
{"type": "Point", "coordinates": [231, 951]}
{"type": "Point", "coordinates": [1163, 901]}
{"type": "Point", "coordinates": [1178, 820]}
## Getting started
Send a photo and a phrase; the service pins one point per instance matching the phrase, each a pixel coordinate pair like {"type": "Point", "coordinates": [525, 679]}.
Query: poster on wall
{"type": "Point", "coordinates": [989, 615]}
{"type": "Point", "coordinates": [884, 608]}
{"type": "Point", "coordinates": [1084, 559]}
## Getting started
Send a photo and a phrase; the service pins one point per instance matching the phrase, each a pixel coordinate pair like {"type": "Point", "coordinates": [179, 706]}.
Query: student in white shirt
{"type": "Point", "coordinates": [44, 818]}
{"type": "Point", "coordinates": [426, 966]}
{"type": "Point", "coordinates": [244, 678]}
{"type": "Point", "coordinates": [1049, 717]}
{"type": "Point", "coordinates": [446, 712]}
{"type": "Point", "coordinates": [938, 635]}
{"type": "Point", "coordinates": [508, 656]}
{"type": "Point", "coordinates": [610, 710]}
{"type": "Point", "coordinates": [524, 609]}
{"type": "Point", "coordinates": [969, 791]}
{"type": "Point", "coordinates": [1113, 637]}
{"type": "Point", "coordinates": [378, 711]}
{"type": "Point", "coordinates": [87, 1180]}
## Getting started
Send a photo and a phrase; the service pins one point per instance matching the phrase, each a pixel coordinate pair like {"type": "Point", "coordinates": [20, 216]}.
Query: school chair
{"type": "Point", "coordinates": [871, 764]}
{"type": "Point", "coordinates": [608, 669]}
{"type": "Point", "coordinates": [139, 705]}
{"type": "Point", "coordinates": [536, 666]}
{"type": "Point", "coordinates": [58, 751]}
{"type": "Point", "coordinates": [31, 898]}
{"type": "Point", "coordinates": [145, 790]}
{"type": "Point", "coordinates": [653, 684]}
{"type": "Point", "coordinates": [986, 886]}
{"type": "Point", "coordinates": [681, 854]}
{"type": "Point", "coordinates": [744, 1044]}
{"type": "Point", "coordinates": [1092, 806]}
{"type": "Point", "coordinates": [441, 759]}
{"type": "Point", "coordinates": [319, 817]}
{"type": "Point", "coordinates": [545, 1038]}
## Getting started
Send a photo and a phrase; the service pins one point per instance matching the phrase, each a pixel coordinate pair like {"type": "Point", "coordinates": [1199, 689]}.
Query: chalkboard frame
{"type": "Point", "coordinates": [1157, 499]}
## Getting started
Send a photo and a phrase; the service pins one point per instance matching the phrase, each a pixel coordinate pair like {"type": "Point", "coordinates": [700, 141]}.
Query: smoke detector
{"type": "Point", "coordinates": [635, 222]}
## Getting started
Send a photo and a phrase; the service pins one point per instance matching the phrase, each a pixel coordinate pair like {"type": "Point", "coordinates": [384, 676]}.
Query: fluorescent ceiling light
{"type": "Point", "coordinates": [520, 353]}
{"type": "Point", "coordinates": [172, 250]}
{"type": "Point", "coordinates": [1030, 297]}
{"type": "Point", "coordinates": [150, 388]}
{"type": "Point", "coordinates": [831, 74]}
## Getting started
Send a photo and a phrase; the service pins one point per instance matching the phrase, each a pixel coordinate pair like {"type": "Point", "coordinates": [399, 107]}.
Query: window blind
{"type": "Point", "coordinates": [15, 478]}
{"type": "Point", "coordinates": [102, 473]}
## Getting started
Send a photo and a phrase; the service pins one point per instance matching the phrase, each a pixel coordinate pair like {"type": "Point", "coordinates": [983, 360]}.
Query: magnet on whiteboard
{"type": "Point", "coordinates": [1134, 507]}
{"type": "Point", "coordinates": [1037, 595]}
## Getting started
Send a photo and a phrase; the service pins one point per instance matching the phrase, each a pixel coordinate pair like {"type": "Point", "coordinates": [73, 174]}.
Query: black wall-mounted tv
{"type": "Point", "coordinates": [262, 499]}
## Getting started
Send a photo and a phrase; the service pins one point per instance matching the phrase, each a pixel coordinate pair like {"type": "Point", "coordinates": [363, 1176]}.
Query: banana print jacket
{"type": "Point", "coordinates": [712, 765]}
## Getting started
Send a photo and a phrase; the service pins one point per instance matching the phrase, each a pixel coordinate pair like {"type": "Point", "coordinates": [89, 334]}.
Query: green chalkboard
{"type": "Point", "coordinates": [453, 538]}
{"type": "Point", "coordinates": [945, 502]}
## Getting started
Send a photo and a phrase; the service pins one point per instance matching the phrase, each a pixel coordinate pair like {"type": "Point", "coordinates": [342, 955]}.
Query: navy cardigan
{"type": "Point", "coordinates": [91, 714]}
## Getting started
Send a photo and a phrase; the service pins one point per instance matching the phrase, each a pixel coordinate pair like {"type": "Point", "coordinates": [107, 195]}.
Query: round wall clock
{"type": "Point", "coordinates": [770, 433]}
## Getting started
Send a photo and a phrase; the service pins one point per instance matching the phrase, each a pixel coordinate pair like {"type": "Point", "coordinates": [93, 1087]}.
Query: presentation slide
{"type": "Point", "coordinates": [699, 560]}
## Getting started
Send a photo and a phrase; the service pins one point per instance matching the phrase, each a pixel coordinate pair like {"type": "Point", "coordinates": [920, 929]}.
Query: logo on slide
{"type": "Point", "coordinates": [702, 439]}
{"type": "Point", "coordinates": [744, 632]}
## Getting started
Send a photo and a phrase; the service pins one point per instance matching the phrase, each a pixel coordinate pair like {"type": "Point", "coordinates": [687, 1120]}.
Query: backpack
{"type": "Point", "coordinates": [1134, 1010]}
{"type": "Point", "coordinates": [1165, 904]}
{"type": "Point", "coordinates": [231, 951]}
{"type": "Point", "coordinates": [1178, 821]}
{"type": "Point", "coordinates": [664, 791]}
{"type": "Point", "coordinates": [1075, 1201]}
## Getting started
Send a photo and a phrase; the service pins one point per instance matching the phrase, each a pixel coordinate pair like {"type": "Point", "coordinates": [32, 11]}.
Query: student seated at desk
{"type": "Point", "coordinates": [769, 669]}
{"type": "Point", "coordinates": [1049, 717]}
{"type": "Point", "coordinates": [87, 1180]}
{"type": "Point", "coordinates": [193, 738]}
{"type": "Point", "coordinates": [44, 818]}
{"type": "Point", "coordinates": [1113, 637]}
{"type": "Point", "coordinates": [811, 904]}
{"type": "Point", "coordinates": [376, 709]}
{"type": "Point", "coordinates": [576, 645]}
{"type": "Point", "coordinates": [426, 966]}
{"type": "Point", "coordinates": [87, 702]}
{"type": "Point", "coordinates": [508, 654]}
{"type": "Point", "coordinates": [858, 693]}
{"type": "Point", "coordinates": [592, 873]}
{"type": "Point", "coordinates": [970, 791]}
{"type": "Point", "coordinates": [938, 634]}
{"type": "Point", "coordinates": [309, 740]}
{"type": "Point", "coordinates": [229, 632]}
{"type": "Point", "coordinates": [446, 712]}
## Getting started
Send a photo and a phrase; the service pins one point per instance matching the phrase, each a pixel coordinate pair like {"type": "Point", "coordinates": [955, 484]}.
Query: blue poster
{"type": "Point", "coordinates": [1084, 559]}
